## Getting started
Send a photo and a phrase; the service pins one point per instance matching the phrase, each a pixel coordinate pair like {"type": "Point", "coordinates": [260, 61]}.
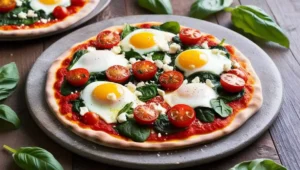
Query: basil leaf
{"type": "Point", "coordinates": [127, 30]}
{"type": "Point", "coordinates": [203, 75]}
{"type": "Point", "coordinates": [76, 104]}
{"type": "Point", "coordinates": [133, 54]}
{"type": "Point", "coordinates": [158, 55]}
{"type": "Point", "coordinates": [203, 8]}
{"type": "Point", "coordinates": [220, 107]}
{"type": "Point", "coordinates": [8, 118]}
{"type": "Point", "coordinates": [258, 164]}
{"type": "Point", "coordinates": [228, 97]}
{"type": "Point", "coordinates": [66, 88]}
{"type": "Point", "coordinates": [163, 125]}
{"type": "Point", "coordinates": [76, 57]}
{"type": "Point", "coordinates": [171, 26]}
{"type": "Point", "coordinates": [255, 21]}
{"type": "Point", "coordinates": [9, 78]}
{"type": "Point", "coordinates": [134, 131]}
{"type": "Point", "coordinates": [97, 76]}
{"type": "Point", "coordinates": [157, 6]}
{"type": "Point", "coordinates": [205, 114]}
{"type": "Point", "coordinates": [220, 47]}
{"type": "Point", "coordinates": [127, 109]}
{"type": "Point", "coordinates": [148, 92]}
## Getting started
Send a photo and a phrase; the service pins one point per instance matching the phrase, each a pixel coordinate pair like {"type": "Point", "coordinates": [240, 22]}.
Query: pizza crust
{"type": "Point", "coordinates": [87, 9]}
{"type": "Point", "coordinates": [106, 139]}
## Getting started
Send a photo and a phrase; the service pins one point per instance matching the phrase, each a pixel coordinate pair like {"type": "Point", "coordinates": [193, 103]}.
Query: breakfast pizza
{"type": "Point", "coordinates": [153, 86]}
{"type": "Point", "coordinates": [19, 18]}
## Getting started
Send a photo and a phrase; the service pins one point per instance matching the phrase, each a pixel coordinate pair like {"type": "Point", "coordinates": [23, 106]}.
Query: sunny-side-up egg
{"type": "Point", "coordinates": [192, 94]}
{"type": "Point", "coordinates": [144, 41]}
{"type": "Point", "coordinates": [48, 5]}
{"type": "Point", "coordinates": [99, 60]}
{"type": "Point", "coordinates": [196, 60]}
{"type": "Point", "coordinates": [106, 99]}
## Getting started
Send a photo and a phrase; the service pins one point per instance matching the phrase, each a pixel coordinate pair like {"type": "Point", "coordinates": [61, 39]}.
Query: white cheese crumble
{"type": "Point", "coordinates": [236, 64]}
{"type": "Point", "coordinates": [205, 45]}
{"type": "Point", "coordinates": [174, 48]}
{"type": "Point", "coordinates": [161, 92]}
{"type": "Point", "coordinates": [116, 49]}
{"type": "Point", "coordinates": [90, 49]}
{"type": "Point", "coordinates": [167, 59]}
{"type": "Point", "coordinates": [44, 21]}
{"type": "Point", "coordinates": [132, 60]}
{"type": "Point", "coordinates": [159, 135]}
{"type": "Point", "coordinates": [22, 15]}
{"type": "Point", "coordinates": [159, 63]}
{"type": "Point", "coordinates": [111, 96]}
{"type": "Point", "coordinates": [140, 84]}
{"type": "Point", "coordinates": [31, 14]}
{"type": "Point", "coordinates": [196, 80]}
{"type": "Point", "coordinates": [122, 118]}
{"type": "Point", "coordinates": [138, 93]}
{"type": "Point", "coordinates": [129, 66]}
{"type": "Point", "coordinates": [83, 110]}
{"type": "Point", "coordinates": [209, 83]}
{"type": "Point", "coordinates": [149, 59]}
{"type": "Point", "coordinates": [166, 67]}
{"type": "Point", "coordinates": [215, 51]}
{"type": "Point", "coordinates": [19, 3]}
{"type": "Point", "coordinates": [227, 67]}
{"type": "Point", "coordinates": [131, 86]}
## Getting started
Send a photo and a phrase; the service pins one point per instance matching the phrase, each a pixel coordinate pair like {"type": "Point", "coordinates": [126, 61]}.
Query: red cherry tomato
{"type": "Point", "coordinates": [181, 115]}
{"type": "Point", "coordinates": [107, 39]}
{"type": "Point", "coordinates": [171, 80]}
{"type": "Point", "coordinates": [78, 77]}
{"type": "Point", "coordinates": [189, 36]}
{"type": "Point", "coordinates": [60, 12]}
{"type": "Point", "coordinates": [159, 100]}
{"type": "Point", "coordinates": [90, 118]}
{"type": "Point", "coordinates": [239, 73]}
{"type": "Point", "coordinates": [145, 114]}
{"type": "Point", "coordinates": [144, 70]}
{"type": "Point", "coordinates": [118, 74]}
{"type": "Point", "coordinates": [232, 83]}
{"type": "Point", "coordinates": [78, 2]}
{"type": "Point", "coordinates": [145, 26]}
{"type": "Point", "coordinates": [7, 5]}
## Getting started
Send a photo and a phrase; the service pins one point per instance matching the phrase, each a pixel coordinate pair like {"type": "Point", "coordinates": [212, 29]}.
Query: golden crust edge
{"type": "Point", "coordinates": [106, 139]}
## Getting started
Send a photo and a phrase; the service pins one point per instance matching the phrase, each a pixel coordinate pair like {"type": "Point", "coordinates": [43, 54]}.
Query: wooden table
{"type": "Point", "coordinates": [281, 143]}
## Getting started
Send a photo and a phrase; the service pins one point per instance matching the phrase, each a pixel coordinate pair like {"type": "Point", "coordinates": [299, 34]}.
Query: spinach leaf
{"type": "Point", "coordinates": [203, 8]}
{"type": "Point", "coordinates": [205, 114]}
{"type": "Point", "coordinates": [163, 125]}
{"type": "Point", "coordinates": [34, 158]}
{"type": "Point", "coordinates": [222, 48]}
{"type": "Point", "coordinates": [8, 118]}
{"type": "Point", "coordinates": [158, 55]}
{"type": "Point", "coordinates": [258, 164]}
{"type": "Point", "coordinates": [255, 21]}
{"type": "Point", "coordinates": [157, 6]}
{"type": "Point", "coordinates": [148, 92]}
{"type": "Point", "coordinates": [76, 57]}
{"type": "Point", "coordinates": [76, 104]}
{"type": "Point", "coordinates": [220, 107]}
{"type": "Point", "coordinates": [171, 26]}
{"type": "Point", "coordinates": [177, 40]}
{"type": "Point", "coordinates": [97, 76]}
{"type": "Point", "coordinates": [127, 109]}
{"type": "Point", "coordinates": [228, 97]}
{"type": "Point", "coordinates": [133, 54]}
{"type": "Point", "coordinates": [134, 131]}
{"type": "Point", "coordinates": [66, 88]}
{"type": "Point", "coordinates": [127, 30]}
{"type": "Point", "coordinates": [203, 75]}
{"type": "Point", "coordinates": [9, 78]}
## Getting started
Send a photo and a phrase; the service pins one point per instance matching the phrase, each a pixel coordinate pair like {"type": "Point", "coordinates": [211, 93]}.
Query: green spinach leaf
{"type": "Point", "coordinates": [158, 55]}
{"type": "Point", "coordinates": [127, 30]}
{"type": "Point", "coordinates": [8, 118]}
{"type": "Point", "coordinates": [76, 57]}
{"type": "Point", "coordinates": [258, 164]}
{"type": "Point", "coordinates": [133, 54]}
{"type": "Point", "coordinates": [228, 97]}
{"type": "Point", "coordinates": [66, 88]}
{"type": "Point", "coordinates": [97, 76]}
{"type": "Point", "coordinates": [255, 21]}
{"type": "Point", "coordinates": [127, 109]}
{"type": "Point", "coordinates": [220, 107]}
{"type": "Point", "coordinates": [163, 125]}
{"type": "Point", "coordinates": [9, 78]}
{"type": "Point", "coordinates": [203, 75]}
{"type": "Point", "coordinates": [171, 26]}
{"type": "Point", "coordinates": [203, 8]}
{"type": "Point", "coordinates": [134, 131]}
{"type": "Point", "coordinates": [205, 114]}
{"type": "Point", "coordinates": [148, 92]}
{"type": "Point", "coordinates": [76, 104]}
{"type": "Point", "coordinates": [157, 6]}
{"type": "Point", "coordinates": [222, 48]}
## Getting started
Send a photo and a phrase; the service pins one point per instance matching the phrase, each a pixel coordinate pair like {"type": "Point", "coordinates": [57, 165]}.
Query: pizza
{"type": "Point", "coordinates": [153, 86]}
{"type": "Point", "coordinates": [25, 18]}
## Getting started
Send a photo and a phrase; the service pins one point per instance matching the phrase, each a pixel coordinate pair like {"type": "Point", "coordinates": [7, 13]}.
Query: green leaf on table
{"type": "Point", "coordinates": [258, 164]}
{"type": "Point", "coordinates": [157, 6]}
{"type": "Point", "coordinates": [127, 30]}
{"type": "Point", "coordinates": [133, 130]}
{"type": "Point", "coordinates": [76, 57]}
{"type": "Point", "coordinates": [163, 125]}
{"type": "Point", "coordinates": [148, 92]}
{"type": "Point", "coordinates": [255, 21]}
{"type": "Point", "coordinates": [34, 158]}
{"type": "Point", "coordinates": [8, 118]}
{"type": "Point", "coordinates": [202, 8]}
{"type": "Point", "coordinates": [220, 107]}
{"type": "Point", "coordinates": [205, 114]}
{"type": "Point", "coordinates": [9, 78]}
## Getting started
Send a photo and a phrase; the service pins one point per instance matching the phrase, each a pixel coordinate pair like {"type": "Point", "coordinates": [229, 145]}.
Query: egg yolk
{"type": "Point", "coordinates": [50, 2]}
{"type": "Point", "coordinates": [103, 91]}
{"type": "Point", "coordinates": [191, 59]}
{"type": "Point", "coordinates": [143, 40]}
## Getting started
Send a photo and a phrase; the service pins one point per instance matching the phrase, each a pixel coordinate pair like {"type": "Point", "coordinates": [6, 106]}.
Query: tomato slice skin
{"type": "Point", "coordinates": [239, 73]}
{"type": "Point", "coordinates": [145, 26]}
{"type": "Point", "coordinates": [90, 118]}
{"type": "Point", "coordinates": [181, 115]}
{"type": "Point", "coordinates": [60, 12]}
{"type": "Point", "coordinates": [78, 2]}
{"type": "Point", "coordinates": [189, 36]}
{"type": "Point", "coordinates": [171, 80]}
{"type": "Point", "coordinates": [159, 100]}
{"type": "Point", "coordinates": [144, 70]}
{"type": "Point", "coordinates": [117, 74]}
{"type": "Point", "coordinates": [145, 114]}
{"type": "Point", "coordinates": [7, 6]}
{"type": "Point", "coordinates": [78, 77]}
{"type": "Point", "coordinates": [107, 39]}
{"type": "Point", "coordinates": [232, 83]}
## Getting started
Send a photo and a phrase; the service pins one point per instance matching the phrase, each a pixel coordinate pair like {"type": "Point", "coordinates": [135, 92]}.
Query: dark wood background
{"type": "Point", "coordinates": [281, 143]}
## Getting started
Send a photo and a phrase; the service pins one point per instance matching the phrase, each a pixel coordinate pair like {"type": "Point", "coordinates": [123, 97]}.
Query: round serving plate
{"type": "Point", "coordinates": [100, 7]}
{"type": "Point", "coordinates": [251, 130]}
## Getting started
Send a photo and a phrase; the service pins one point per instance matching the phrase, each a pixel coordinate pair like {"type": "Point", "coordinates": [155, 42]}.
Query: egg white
{"type": "Point", "coordinates": [48, 9]}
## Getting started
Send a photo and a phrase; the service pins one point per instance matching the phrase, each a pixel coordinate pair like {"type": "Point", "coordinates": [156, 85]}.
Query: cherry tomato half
{"type": "Point", "coordinates": [60, 12]}
{"type": "Point", "coordinates": [78, 2]}
{"type": "Point", "coordinates": [171, 80]}
{"type": "Point", "coordinates": [78, 77]}
{"type": "Point", "coordinates": [90, 118]}
{"type": "Point", "coordinates": [117, 74]}
{"type": "Point", "coordinates": [181, 115]}
{"type": "Point", "coordinates": [239, 73]}
{"type": "Point", "coordinates": [145, 26]}
{"type": "Point", "coordinates": [7, 5]}
{"type": "Point", "coordinates": [232, 83]}
{"type": "Point", "coordinates": [159, 100]}
{"type": "Point", "coordinates": [189, 36]}
{"type": "Point", "coordinates": [107, 39]}
{"type": "Point", "coordinates": [145, 114]}
{"type": "Point", "coordinates": [144, 70]}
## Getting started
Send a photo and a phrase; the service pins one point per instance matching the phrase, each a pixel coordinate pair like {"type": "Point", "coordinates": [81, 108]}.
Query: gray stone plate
{"type": "Point", "coordinates": [101, 6]}
{"type": "Point", "coordinates": [230, 144]}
